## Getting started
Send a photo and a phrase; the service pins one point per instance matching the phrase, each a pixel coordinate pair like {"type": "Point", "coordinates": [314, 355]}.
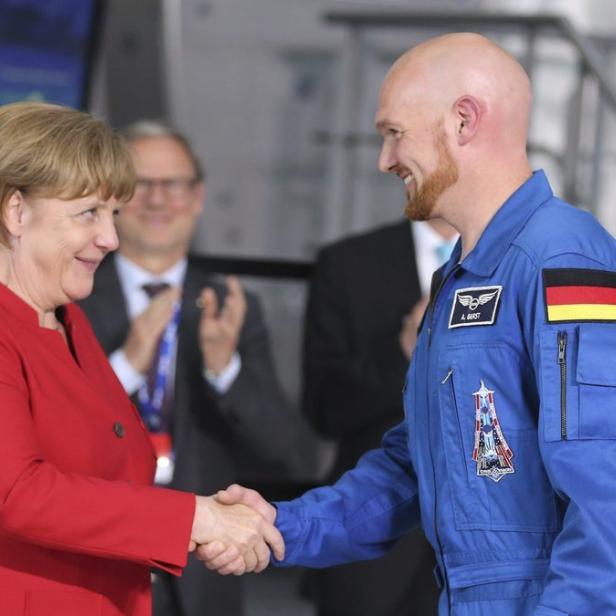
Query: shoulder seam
{"type": "Point", "coordinates": [533, 259]}
{"type": "Point", "coordinates": [527, 254]}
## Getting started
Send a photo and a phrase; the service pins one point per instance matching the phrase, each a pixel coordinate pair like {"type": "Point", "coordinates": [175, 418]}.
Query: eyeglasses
{"type": "Point", "coordinates": [173, 188]}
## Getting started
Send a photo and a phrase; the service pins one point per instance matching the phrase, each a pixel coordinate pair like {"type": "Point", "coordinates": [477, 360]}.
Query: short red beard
{"type": "Point", "coordinates": [421, 205]}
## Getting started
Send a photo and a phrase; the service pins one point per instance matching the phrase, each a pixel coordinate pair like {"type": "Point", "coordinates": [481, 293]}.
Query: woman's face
{"type": "Point", "coordinates": [59, 246]}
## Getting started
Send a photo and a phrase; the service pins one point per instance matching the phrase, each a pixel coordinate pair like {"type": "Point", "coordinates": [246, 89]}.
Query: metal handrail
{"type": "Point", "coordinates": [289, 269]}
{"type": "Point", "coordinates": [458, 20]}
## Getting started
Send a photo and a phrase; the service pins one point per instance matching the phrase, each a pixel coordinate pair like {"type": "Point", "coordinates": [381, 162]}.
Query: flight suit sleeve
{"type": "Point", "coordinates": [572, 334]}
{"type": "Point", "coordinates": [360, 516]}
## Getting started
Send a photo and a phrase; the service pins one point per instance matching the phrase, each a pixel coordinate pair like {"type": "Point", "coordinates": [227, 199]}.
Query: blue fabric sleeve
{"type": "Point", "coordinates": [360, 516]}
{"type": "Point", "coordinates": [581, 466]}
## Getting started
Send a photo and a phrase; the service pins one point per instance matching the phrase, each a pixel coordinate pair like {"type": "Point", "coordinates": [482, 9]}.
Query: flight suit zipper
{"type": "Point", "coordinates": [562, 362]}
{"type": "Point", "coordinates": [442, 576]}
{"type": "Point", "coordinates": [441, 553]}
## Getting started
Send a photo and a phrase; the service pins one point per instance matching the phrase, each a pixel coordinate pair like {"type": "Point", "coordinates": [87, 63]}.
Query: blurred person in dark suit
{"type": "Point", "coordinates": [367, 296]}
{"type": "Point", "coordinates": [192, 351]}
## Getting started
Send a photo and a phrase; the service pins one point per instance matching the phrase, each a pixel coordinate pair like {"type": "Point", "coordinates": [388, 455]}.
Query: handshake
{"type": "Point", "coordinates": [233, 532]}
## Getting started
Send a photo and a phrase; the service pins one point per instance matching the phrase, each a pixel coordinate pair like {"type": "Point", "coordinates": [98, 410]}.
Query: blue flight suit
{"type": "Point", "coordinates": [507, 455]}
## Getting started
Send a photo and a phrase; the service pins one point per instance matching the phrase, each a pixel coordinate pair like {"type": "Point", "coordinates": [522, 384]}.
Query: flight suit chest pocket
{"type": "Point", "coordinates": [488, 412]}
{"type": "Point", "coordinates": [578, 382]}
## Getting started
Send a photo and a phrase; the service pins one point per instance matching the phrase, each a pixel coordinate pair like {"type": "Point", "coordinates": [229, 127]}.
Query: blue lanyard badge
{"type": "Point", "coordinates": [151, 402]}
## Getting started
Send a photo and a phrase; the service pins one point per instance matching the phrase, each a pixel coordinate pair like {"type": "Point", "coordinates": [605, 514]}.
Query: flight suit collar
{"type": "Point", "coordinates": [505, 226]}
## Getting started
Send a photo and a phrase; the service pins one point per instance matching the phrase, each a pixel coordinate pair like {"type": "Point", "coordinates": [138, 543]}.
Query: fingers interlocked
{"type": "Point", "coordinates": [234, 537]}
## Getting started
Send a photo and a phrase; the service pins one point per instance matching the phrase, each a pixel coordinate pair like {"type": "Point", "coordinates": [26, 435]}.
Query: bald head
{"type": "Point", "coordinates": [465, 58]}
{"type": "Point", "coordinates": [444, 70]}
{"type": "Point", "coordinates": [454, 113]}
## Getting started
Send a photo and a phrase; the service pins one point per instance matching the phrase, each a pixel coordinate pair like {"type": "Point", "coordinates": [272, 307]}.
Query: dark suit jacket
{"type": "Point", "coordinates": [354, 370]}
{"type": "Point", "coordinates": [207, 427]}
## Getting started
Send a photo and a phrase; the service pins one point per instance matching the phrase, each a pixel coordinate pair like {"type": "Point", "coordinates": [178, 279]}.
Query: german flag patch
{"type": "Point", "coordinates": [573, 295]}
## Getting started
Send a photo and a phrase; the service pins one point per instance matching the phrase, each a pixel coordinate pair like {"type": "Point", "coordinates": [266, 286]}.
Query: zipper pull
{"type": "Point", "coordinates": [562, 345]}
{"type": "Point", "coordinates": [447, 376]}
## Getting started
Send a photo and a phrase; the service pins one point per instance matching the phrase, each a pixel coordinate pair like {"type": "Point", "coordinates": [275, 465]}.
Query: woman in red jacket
{"type": "Point", "coordinates": [80, 525]}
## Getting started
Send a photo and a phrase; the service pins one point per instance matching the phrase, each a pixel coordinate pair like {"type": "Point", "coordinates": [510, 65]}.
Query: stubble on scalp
{"type": "Point", "coordinates": [421, 205]}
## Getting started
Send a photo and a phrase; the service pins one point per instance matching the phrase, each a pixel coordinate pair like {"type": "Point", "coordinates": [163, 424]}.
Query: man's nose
{"type": "Point", "coordinates": [387, 160]}
{"type": "Point", "coordinates": [156, 194]}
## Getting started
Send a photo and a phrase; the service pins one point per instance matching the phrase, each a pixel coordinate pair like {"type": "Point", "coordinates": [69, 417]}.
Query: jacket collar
{"type": "Point", "coordinates": [505, 226]}
{"type": "Point", "coordinates": [18, 307]}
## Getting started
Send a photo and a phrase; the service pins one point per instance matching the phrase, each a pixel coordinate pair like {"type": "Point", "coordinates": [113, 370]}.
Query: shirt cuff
{"type": "Point", "coordinates": [226, 377]}
{"type": "Point", "coordinates": [130, 378]}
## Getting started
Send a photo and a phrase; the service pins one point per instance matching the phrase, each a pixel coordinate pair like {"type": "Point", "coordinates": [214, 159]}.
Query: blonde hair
{"type": "Point", "coordinates": [53, 151]}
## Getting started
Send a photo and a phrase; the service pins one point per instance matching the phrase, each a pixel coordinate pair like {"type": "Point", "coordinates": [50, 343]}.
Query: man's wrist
{"type": "Point", "coordinates": [130, 378]}
{"type": "Point", "coordinates": [211, 374]}
{"type": "Point", "coordinates": [215, 366]}
{"type": "Point", "coordinates": [222, 380]}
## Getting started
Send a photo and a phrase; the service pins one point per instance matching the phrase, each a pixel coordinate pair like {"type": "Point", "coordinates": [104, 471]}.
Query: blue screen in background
{"type": "Point", "coordinates": [45, 49]}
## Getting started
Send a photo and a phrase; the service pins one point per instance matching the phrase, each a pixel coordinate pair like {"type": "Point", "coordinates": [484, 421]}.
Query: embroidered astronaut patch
{"type": "Point", "coordinates": [474, 306]}
{"type": "Point", "coordinates": [491, 451]}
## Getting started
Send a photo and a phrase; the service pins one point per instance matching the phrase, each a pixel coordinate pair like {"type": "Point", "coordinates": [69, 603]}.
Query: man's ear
{"type": "Point", "coordinates": [468, 112]}
{"type": "Point", "coordinates": [14, 214]}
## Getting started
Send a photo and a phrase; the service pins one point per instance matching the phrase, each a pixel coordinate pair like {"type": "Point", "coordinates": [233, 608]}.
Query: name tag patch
{"type": "Point", "coordinates": [474, 306]}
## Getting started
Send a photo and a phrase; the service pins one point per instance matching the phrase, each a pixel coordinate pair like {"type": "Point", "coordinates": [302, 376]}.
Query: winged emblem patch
{"type": "Point", "coordinates": [474, 302]}
{"type": "Point", "coordinates": [475, 306]}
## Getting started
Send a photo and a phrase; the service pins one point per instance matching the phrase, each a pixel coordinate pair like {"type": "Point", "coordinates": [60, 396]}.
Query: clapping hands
{"type": "Point", "coordinates": [234, 532]}
{"type": "Point", "coordinates": [220, 326]}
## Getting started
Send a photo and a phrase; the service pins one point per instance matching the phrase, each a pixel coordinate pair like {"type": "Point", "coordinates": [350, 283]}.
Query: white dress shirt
{"type": "Point", "coordinates": [427, 243]}
{"type": "Point", "coordinates": [132, 278]}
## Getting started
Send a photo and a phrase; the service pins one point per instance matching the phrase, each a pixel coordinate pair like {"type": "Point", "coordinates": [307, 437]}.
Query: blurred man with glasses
{"type": "Point", "coordinates": [193, 352]}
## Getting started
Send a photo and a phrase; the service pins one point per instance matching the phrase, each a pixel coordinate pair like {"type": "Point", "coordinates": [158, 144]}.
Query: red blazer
{"type": "Point", "coordinates": [80, 525]}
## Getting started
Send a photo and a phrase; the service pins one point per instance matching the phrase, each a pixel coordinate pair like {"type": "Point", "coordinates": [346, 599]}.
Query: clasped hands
{"type": "Point", "coordinates": [233, 532]}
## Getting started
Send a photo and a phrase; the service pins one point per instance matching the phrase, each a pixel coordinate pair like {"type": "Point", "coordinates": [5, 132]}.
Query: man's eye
{"type": "Point", "coordinates": [88, 214]}
{"type": "Point", "coordinates": [174, 185]}
{"type": "Point", "coordinates": [393, 134]}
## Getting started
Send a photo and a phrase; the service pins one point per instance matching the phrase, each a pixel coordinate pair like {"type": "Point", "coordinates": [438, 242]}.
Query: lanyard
{"type": "Point", "coordinates": [151, 403]}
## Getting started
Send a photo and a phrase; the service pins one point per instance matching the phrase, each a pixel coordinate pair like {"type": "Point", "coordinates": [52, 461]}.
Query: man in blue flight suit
{"type": "Point", "coordinates": [507, 455]}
